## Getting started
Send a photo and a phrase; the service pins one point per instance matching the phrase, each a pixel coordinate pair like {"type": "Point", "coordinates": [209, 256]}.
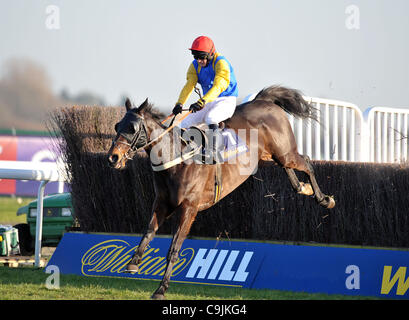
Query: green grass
{"type": "Point", "coordinates": [8, 209]}
{"type": "Point", "coordinates": [28, 283]}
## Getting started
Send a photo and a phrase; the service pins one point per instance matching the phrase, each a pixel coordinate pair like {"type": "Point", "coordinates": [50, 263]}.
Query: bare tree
{"type": "Point", "coordinates": [25, 95]}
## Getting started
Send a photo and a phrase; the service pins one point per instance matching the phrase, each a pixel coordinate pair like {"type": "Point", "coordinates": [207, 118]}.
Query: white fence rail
{"type": "Point", "coordinates": [346, 133]}
{"type": "Point", "coordinates": [336, 136]}
{"type": "Point", "coordinates": [39, 171]}
{"type": "Point", "coordinates": [388, 134]}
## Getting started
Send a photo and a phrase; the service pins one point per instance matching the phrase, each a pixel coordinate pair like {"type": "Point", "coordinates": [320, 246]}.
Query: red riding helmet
{"type": "Point", "coordinates": [204, 44]}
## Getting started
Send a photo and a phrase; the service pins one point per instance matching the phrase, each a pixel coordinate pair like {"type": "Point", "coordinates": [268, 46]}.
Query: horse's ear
{"type": "Point", "coordinates": [128, 104]}
{"type": "Point", "coordinates": [143, 105]}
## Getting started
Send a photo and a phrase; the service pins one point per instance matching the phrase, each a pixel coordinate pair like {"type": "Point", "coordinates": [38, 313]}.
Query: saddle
{"type": "Point", "coordinates": [198, 137]}
{"type": "Point", "coordinates": [232, 145]}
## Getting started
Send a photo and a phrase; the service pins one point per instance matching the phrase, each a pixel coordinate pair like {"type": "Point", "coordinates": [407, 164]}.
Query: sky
{"type": "Point", "coordinates": [355, 51]}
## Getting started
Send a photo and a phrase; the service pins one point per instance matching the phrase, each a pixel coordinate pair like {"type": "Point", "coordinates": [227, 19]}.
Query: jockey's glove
{"type": "Point", "coordinates": [197, 106]}
{"type": "Point", "coordinates": [177, 109]}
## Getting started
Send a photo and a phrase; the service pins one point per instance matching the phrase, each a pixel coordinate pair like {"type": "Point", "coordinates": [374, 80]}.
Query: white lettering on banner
{"type": "Point", "coordinates": [241, 274]}
{"type": "Point", "coordinates": [354, 278]}
{"type": "Point", "coordinates": [227, 274]}
{"type": "Point", "coordinates": [203, 262]}
{"type": "Point", "coordinates": [217, 265]}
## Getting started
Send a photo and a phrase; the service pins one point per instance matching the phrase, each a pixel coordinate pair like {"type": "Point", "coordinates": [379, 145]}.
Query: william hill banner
{"type": "Point", "coordinates": [333, 270]}
{"type": "Point", "coordinates": [200, 261]}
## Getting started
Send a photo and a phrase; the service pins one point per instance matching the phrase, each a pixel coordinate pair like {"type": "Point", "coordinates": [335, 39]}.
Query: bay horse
{"type": "Point", "coordinates": [188, 188]}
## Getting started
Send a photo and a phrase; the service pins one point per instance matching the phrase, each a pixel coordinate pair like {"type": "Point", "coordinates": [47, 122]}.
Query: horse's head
{"type": "Point", "coordinates": [130, 135]}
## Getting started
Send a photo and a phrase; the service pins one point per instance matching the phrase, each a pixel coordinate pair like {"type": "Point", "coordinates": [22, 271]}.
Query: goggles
{"type": "Point", "coordinates": [200, 55]}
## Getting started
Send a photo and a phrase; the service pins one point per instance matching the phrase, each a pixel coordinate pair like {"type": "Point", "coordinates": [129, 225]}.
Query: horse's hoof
{"type": "Point", "coordinates": [158, 296]}
{"type": "Point", "coordinates": [306, 189]}
{"type": "Point", "coordinates": [328, 202]}
{"type": "Point", "coordinates": [131, 268]}
{"type": "Point", "coordinates": [331, 202]}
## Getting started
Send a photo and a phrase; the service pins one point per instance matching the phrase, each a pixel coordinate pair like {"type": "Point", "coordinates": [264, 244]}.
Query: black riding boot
{"type": "Point", "coordinates": [216, 142]}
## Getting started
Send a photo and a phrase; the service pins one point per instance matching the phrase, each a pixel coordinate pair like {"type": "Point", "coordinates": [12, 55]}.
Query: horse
{"type": "Point", "coordinates": [189, 187]}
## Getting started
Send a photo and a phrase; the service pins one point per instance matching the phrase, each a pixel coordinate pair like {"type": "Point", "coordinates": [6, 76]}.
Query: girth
{"type": "Point", "coordinates": [196, 151]}
{"type": "Point", "coordinates": [218, 183]}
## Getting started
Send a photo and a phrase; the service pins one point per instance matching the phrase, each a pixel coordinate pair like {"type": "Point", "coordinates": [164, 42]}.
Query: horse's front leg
{"type": "Point", "coordinates": [158, 216]}
{"type": "Point", "coordinates": [188, 214]}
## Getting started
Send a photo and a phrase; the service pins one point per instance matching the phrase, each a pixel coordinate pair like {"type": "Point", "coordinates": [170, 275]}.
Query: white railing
{"type": "Point", "coordinates": [388, 138]}
{"type": "Point", "coordinates": [38, 171]}
{"type": "Point", "coordinates": [337, 135]}
{"type": "Point", "coordinates": [346, 133]}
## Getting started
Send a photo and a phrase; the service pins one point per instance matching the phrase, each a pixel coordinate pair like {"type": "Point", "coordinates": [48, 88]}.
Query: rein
{"type": "Point", "coordinates": [131, 152]}
{"type": "Point", "coordinates": [164, 132]}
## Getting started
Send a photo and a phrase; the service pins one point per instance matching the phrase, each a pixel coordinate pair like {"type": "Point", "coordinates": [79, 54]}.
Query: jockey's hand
{"type": "Point", "coordinates": [177, 109]}
{"type": "Point", "coordinates": [197, 106]}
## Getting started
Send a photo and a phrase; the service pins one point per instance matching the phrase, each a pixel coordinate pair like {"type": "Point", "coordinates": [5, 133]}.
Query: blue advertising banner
{"type": "Point", "coordinates": [200, 261]}
{"type": "Point", "coordinates": [333, 270]}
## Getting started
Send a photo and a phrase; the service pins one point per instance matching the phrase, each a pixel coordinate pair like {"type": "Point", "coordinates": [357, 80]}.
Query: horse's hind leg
{"type": "Point", "coordinates": [302, 163]}
{"type": "Point", "coordinates": [299, 187]}
{"type": "Point", "coordinates": [324, 200]}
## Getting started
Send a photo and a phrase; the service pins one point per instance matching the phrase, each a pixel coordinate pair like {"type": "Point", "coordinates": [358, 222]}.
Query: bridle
{"type": "Point", "coordinates": [137, 135]}
{"type": "Point", "coordinates": [139, 141]}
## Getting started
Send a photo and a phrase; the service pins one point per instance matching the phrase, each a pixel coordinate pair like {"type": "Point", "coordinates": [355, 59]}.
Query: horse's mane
{"type": "Point", "coordinates": [153, 112]}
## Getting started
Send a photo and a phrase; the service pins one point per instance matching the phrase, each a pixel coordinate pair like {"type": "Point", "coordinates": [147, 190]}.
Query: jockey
{"type": "Point", "coordinates": [216, 77]}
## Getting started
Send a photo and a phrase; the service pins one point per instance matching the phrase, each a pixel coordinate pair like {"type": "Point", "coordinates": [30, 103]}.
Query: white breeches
{"type": "Point", "coordinates": [213, 112]}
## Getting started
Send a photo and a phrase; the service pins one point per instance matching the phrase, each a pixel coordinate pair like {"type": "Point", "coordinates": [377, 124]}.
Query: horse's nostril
{"type": "Point", "coordinates": [113, 159]}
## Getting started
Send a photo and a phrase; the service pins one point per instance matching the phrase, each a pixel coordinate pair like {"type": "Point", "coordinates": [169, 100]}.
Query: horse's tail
{"type": "Point", "coordinates": [290, 100]}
